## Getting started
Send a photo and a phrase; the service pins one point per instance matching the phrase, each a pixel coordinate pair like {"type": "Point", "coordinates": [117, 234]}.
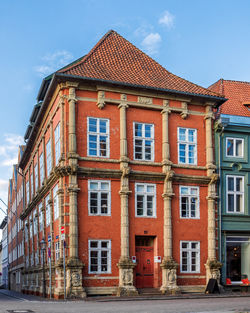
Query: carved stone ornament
{"type": "Point", "coordinates": [184, 112]}
{"type": "Point", "coordinates": [145, 100]}
{"type": "Point", "coordinates": [214, 178]}
{"type": "Point", "coordinates": [76, 279]}
{"type": "Point", "coordinates": [123, 97]}
{"type": "Point", "coordinates": [101, 99]}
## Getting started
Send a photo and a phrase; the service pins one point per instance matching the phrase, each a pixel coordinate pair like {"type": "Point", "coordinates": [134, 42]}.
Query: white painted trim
{"type": "Point", "coordinates": [187, 143]}
{"type": "Point", "coordinates": [189, 204]}
{"type": "Point", "coordinates": [189, 250]}
{"type": "Point", "coordinates": [234, 193]}
{"type": "Point", "coordinates": [99, 249]}
{"type": "Point", "coordinates": [98, 197]}
{"type": "Point", "coordinates": [143, 138]}
{"type": "Point", "coordinates": [98, 134]}
{"type": "Point", "coordinates": [144, 194]}
{"type": "Point", "coordinates": [234, 148]}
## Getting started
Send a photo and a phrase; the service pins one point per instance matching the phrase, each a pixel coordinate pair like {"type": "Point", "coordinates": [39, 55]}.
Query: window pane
{"type": "Point", "coordinates": [148, 131]}
{"type": "Point", "coordinates": [194, 191]}
{"type": "Point", "coordinates": [184, 190]}
{"type": "Point", "coordinates": [239, 204]}
{"type": "Point", "coordinates": [103, 126]}
{"type": "Point", "coordinates": [182, 134]}
{"type": "Point", "coordinates": [150, 188]}
{"type": "Point", "coordinates": [184, 245]}
{"type": "Point", "coordinates": [239, 185]}
{"type": "Point", "coordinates": [104, 203]}
{"type": "Point", "coordinates": [230, 148]}
{"type": "Point", "coordinates": [184, 207]}
{"type": "Point", "coordinates": [105, 186]}
{"type": "Point", "coordinates": [239, 147]}
{"type": "Point", "coordinates": [194, 245]}
{"type": "Point", "coordinates": [140, 188]}
{"type": "Point", "coordinates": [193, 207]}
{"type": "Point", "coordinates": [191, 133]}
{"type": "Point", "coordinates": [138, 130]}
{"type": "Point", "coordinates": [92, 125]}
{"type": "Point", "coordinates": [230, 200]}
{"type": "Point", "coordinates": [230, 183]}
{"type": "Point", "coordinates": [93, 244]}
{"type": "Point", "coordinates": [104, 244]}
{"type": "Point", "coordinates": [94, 186]}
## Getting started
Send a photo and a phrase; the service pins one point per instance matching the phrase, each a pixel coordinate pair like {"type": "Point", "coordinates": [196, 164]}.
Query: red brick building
{"type": "Point", "coordinates": [120, 153]}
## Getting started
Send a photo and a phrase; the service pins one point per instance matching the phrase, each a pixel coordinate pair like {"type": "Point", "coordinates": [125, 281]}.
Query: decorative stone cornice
{"type": "Point", "coordinates": [144, 100]}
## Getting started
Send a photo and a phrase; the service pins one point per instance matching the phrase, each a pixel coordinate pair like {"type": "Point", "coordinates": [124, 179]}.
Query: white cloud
{"type": "Point", "coordinates": [53, 62]}
{"type": "Point", "coordinates": [167, 19]}
{"type": "Point", "coordinates": [9, 149]}
{"type": "Point", "coordinates": [151, 43]}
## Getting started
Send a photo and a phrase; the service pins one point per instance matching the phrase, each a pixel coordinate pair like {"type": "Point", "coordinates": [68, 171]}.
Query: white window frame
{"type": "Point", "coordinates": [98, 134]}
{"type": "Point", "coordinates": [40, 207]}
{"type": "Point", "coordinates": [47, 209]}
{"type": "Point", "coordinates": [145, 193]}
{"type": "Point", "coordinates": [31, 225]}
{"type": "Point", "coordinates": [234, 148]}
{"type": "Point", "coordinates": [99, 249]}
{"type": "Point", "coordinates": [235, 193]}
{"type": "Point", "coordinates": [41, 168]}
{"type": "Point", "coordinates": [36, 177]}
{"type": "Point", "coordinates": [48, 158]}
{"type": "Point", "coordinates": [31, 185]}
{"type": "Point", "coordinates": [57, 250]}
{"type": "Point", "coordinates": [55, 202]}
{"type": "Point", "coordinates": [27, 192]}
{"type": "Point", "coordinates": [187, 143]}
{"type": "Point", "coordinates": [190, 196]}
{"type": "Point", "coordinates": [35, 223]}
{"type": "Point", "coordinates": [99, 191]}
{"type": "Point", "coordinates": [189, 251]}
{"type": "Point", "coordinates": [57, 143]}
{"type": "Point", "coordinates": [143, 138]}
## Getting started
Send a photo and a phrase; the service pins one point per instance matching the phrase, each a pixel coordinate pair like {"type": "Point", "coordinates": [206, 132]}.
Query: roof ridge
{"type": "Point", "coordinates": [236, 81]}
{"type": "Point", "coordinates": [85, 57]}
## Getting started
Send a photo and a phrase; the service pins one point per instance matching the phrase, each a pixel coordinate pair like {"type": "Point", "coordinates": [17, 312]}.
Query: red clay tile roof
{"type": "Point", "coordinates": [237, 93]}
{"type": "Point", "coordinates": [115, 59]}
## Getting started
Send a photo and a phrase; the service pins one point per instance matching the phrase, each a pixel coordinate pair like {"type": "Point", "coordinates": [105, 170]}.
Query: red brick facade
{"type": "Point", "coordinates": [141, 200]}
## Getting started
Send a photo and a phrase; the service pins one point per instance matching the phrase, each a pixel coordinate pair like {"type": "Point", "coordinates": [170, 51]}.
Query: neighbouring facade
{"type": "Point", "coordinates": [232, 135]}
{"type": "Point", "coordinates": [15, 227]}
{"type": "Point", "coordinates": [120, 155]}
{"type": "Point", "coordinates": [4, 259]}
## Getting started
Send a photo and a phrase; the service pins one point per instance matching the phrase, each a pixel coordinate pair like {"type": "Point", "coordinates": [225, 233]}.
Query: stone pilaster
{"type": "Point", "coordinates": [52, 146]}
{"type": "Point", "coordinates": [168, 265]}
{"type": "Point", "coordinates": [212, 265]}
{"type": "Point", "coordinates": [125, 264]}
{"type": "Point", "coordinates": [74, 265]}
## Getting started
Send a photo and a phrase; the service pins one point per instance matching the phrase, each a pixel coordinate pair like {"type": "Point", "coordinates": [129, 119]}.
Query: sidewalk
{"type": "Point", "coordinates": [23, 297]}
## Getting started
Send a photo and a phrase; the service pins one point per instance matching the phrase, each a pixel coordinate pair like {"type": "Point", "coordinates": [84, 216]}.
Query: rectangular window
{"type": "Point", "coordinates": [36, 177]}
{"type": "Point", "coordinates": [187, 145]}
{"type": "Point", "coordinates": [41, 169]}
{"type": "Point", "coordinates": [145, 200]}
{"type": "Point", "coordinates": [31, 185]}
{"type": "Point", "coordinates": [48, 158]}
{"type": "Point", "coordinates": [235, 194]}
{"type": "Point", "coordinates": [99, 197]}
{"type": "Point", "coordinates": [98, 137]}
{"type": "Point", "coordinates": [27, 192]}
{"type": "Point", "coordinates": [235, 147]}
{"type": "Point", "coordinates": [35, 222]}
{"type": "Point", "coordinates": [31, 226]}
{"type": "Point", "coordinates": [99, 256]}
{"type": "Point", "coordinates": [57, 143]}
{"type": "Point", "coordinates": [190, 257]}
{"type": "Point", "coordinates": [143, 141]}
{"type": "Point", "coordinates": [189, 202]}
{"type": "Point", "coordinates": [47, 205]}
{"type": "Point", "coordinates": [55, 202]}
{"type": "Point", "coordinates": [57, 250]}
{"type": "Point", "coordinates": [40, 207]}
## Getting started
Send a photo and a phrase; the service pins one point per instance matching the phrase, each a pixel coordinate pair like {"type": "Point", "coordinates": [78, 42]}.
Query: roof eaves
{"type": "Point", "coordinates": [216, 98]}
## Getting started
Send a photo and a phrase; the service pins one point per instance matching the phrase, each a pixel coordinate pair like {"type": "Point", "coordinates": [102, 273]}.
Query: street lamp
{"type": "Point", "coordinates": [43, 248]}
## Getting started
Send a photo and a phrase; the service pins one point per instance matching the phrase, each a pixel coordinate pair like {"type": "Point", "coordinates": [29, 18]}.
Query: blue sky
{"type": "Point", "coordinates": [201, 41]}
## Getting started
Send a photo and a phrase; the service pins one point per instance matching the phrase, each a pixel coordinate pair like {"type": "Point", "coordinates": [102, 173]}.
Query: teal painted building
{"type": "Point", "coordinates": [232, 154]}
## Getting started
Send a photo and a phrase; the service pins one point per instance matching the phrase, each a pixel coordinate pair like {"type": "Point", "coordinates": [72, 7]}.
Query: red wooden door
{"type": "Point", "coordinates": [145, 267]}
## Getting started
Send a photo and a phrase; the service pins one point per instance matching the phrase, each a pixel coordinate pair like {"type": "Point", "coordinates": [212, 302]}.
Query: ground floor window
{"type": "Point", "coordinates": [237, 258]}
{"type": "Point", "coordinates": [190, 256]}
{"type": "Point", "coordinates": [99, 256]}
